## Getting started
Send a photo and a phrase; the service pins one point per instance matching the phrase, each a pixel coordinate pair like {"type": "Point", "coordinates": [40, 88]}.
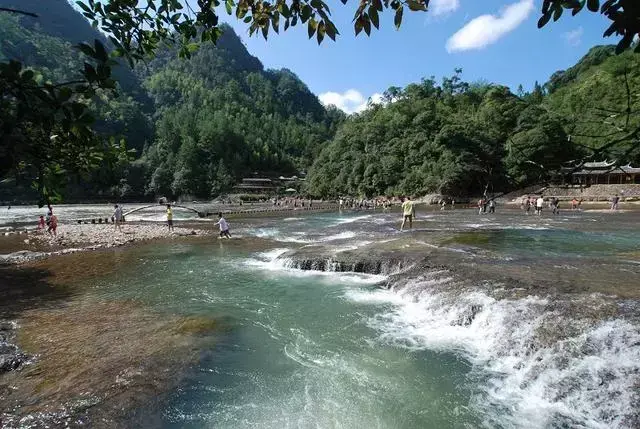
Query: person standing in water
{"type": "Point", "coordinates": [53, 225]}
{"type": "Point", "coordinates": [408, 213]}
{"type": "Point", "coordinates": [539, 204]}
{"type": "Point", "coordinates": [169, 217]}
{"type": "Point", "coordinates": [614, 202]}
{"type": "Point", "coordinates": [224, 227]}
{"type": "Point", "coordinates": [117, 218]}
{"type": "Point", "coordinates": [492, 206]}
{"type": "Point", "coordinates": [47, 219]}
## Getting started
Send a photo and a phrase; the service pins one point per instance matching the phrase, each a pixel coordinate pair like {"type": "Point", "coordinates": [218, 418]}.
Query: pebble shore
{"type": "Point", "coordinates": [73, 238]}
{"type": "Point", "coordinates": [110, 236]}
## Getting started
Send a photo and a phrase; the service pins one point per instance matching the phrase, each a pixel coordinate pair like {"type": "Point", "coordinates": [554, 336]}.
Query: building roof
{"type": "Point", "coordinates": [600, 164]}
{"type": "Point", "coordinates": [244, 186]}
{"type": "Point", "coordinates": [626, 169]}
{"type": "Point", "coordinates": [250, 180]}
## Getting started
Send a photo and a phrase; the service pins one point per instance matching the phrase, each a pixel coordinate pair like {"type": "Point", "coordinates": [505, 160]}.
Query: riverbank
{"type": "Point", "coordinates": [72, 238]}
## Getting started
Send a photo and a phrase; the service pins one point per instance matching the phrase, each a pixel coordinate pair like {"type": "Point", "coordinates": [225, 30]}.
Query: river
{"type": "Point", "coordinates": [429, 348]}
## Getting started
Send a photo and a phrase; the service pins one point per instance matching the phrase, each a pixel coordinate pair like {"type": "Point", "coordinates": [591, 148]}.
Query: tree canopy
{"type": "Point", "coordinates": [460, 138]}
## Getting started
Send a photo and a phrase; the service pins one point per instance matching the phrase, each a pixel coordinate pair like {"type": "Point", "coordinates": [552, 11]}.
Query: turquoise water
{"type": "Point", "coordinates": [341, 350]}
{"type": "Point", "coordinates": [297, 350]}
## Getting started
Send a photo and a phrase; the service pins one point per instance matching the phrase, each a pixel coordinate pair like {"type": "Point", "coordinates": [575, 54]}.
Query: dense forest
{"type": "Point", "coordinates": [220, 115]}
{"type": "Point", "coordinates": [197, 126]}
{"type": "Point", "coordinates": [460, 138]}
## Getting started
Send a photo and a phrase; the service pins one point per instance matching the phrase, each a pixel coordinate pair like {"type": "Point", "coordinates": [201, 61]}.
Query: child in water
{"type": "Point", "coordinates": [41, 224]}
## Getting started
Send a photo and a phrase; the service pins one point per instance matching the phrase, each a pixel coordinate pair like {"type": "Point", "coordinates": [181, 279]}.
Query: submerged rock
{"type": "Point", "coordinates": [468, 316]}
{"type": "Point", "coordinates": [11, 357]}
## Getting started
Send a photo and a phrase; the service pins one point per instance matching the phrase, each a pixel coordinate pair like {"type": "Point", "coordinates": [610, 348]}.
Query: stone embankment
{"type": "Point", "coordinates": [593, 193]}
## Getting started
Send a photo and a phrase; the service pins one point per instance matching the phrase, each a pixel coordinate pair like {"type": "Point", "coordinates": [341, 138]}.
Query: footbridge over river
{"type": "Point", "coordinates": [226, 210]}
{"type": "Point", "coordinates": [199, 213]}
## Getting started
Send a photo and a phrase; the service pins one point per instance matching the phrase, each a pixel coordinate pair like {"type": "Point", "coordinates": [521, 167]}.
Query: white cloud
{"type": "Point", "coordinates": [443, 7]}
{"type": "Point", "coordinates": [487, 29]}
{"type": "Point", "coordinates": [574, 37]}
{"type": "Point", "coordinates": [350, 101]}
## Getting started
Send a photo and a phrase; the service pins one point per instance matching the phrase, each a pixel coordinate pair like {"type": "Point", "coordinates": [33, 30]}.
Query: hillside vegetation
{"type": "Point", "coordinates": [460, 138]}
{"type": "Point", "coordinates": [197, 126]}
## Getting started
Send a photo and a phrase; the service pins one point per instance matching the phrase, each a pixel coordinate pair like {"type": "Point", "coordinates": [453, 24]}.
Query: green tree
{"type": "Point", "coordinates": [538, 148]}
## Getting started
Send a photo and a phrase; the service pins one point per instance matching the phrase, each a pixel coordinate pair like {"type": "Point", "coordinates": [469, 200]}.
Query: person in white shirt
{"type": "Point", "coordinates": [539, 204]}
{"type": "Point", "coordinates": [117, 217]}
{"type": "Point", "coordinates": [224, 226]}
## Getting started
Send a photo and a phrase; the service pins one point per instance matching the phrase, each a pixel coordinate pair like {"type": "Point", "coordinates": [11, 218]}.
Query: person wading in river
{"type": "Point", "coordinates": [169, 217]}
{"type": "Point", "coordinates": [408, 213]}
{"type": "Point", "coordinates": [53, 225]}
{"type": "Point", "coordinates": [224, 227]}
{"type": "Point", "coordinates": [614, 202]}
{"type": "Point", "coordinates": [539, 204]}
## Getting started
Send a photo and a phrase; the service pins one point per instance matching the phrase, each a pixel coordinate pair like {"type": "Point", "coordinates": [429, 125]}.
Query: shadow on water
{"type": "Point", "coordinates": [91, 358]}
{"type": "Point", "coordinates": [24, 288]}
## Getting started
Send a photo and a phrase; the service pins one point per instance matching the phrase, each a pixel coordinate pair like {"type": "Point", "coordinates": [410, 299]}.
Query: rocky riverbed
{"type": "Point", "coordinates": [72, 238]}
{"type": "Point", "coordinates": [70, 359]}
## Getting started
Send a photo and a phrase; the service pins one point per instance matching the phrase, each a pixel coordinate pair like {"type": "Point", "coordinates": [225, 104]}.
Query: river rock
{"type": "Point", "coordinates": [11, 358]}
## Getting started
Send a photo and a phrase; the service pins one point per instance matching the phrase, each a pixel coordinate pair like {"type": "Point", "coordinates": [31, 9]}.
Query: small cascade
{"type": "Point", "coordinates": [547, 362]}
{"type": "Point", "coordinates": [377, 267]}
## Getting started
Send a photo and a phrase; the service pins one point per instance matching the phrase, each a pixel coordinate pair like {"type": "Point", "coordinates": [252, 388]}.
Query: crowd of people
{"type": "Point", "coordinates": [537, 203]}
{"type": "Point", "coordinates": [528, 204]}
{"type": "Point", "coordinates": [364, 203]}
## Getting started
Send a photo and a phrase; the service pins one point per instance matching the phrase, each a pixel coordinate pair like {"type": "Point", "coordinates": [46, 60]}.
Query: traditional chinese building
{"type": "Point", "coordinates": [257, 185]}
{"type": "Point", "coordinates": [605, 173]}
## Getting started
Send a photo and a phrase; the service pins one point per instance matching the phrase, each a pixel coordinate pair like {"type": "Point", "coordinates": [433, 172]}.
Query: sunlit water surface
{"type": "Point", "coordinates": [339, 350]}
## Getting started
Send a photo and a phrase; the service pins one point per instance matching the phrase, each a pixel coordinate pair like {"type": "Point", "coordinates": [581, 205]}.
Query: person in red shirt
{"type": "Point", "coordinates": [41, 224]}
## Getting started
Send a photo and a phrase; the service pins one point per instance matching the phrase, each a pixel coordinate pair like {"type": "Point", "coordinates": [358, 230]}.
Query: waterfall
{"type": "Point", "coordinates": [544, 361]}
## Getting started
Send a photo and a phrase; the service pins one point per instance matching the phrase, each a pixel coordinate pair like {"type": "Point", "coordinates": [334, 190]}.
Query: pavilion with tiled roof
{"type": "Point", "coordinates": [605, 173]}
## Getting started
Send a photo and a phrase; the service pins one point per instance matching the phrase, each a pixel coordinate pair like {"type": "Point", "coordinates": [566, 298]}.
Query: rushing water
{"type": "Point", "coordinates": [302, 349]}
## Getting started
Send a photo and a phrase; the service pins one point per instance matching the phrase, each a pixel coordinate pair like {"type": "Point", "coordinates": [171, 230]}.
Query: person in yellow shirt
{"type": "Point", "coordinates": [170, 217]}
{"type": "Point", "coordinates": [408, 213]}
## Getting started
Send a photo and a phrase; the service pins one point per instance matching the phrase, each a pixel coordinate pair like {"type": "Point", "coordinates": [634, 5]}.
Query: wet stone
{"type": "Point", "coordinates": [468, 316]}
{"type": "Point", "coordinates": [11, 357]}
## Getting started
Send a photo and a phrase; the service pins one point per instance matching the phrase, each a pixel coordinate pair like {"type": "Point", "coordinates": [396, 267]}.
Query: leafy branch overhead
{"type": "Point", "coordinates": [624, 14]}
{"type": "Point", "coordinates": [137, 28]}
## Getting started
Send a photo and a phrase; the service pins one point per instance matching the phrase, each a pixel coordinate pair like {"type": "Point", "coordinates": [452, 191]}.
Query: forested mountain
{"type": "Point", "coordinates": [196, 125]}
{"type": "Point", "coordinates": [461, 139]}
{"type": "Point", "coordinates": [220, 115]}
{"type": "Point", "coordinates": [46, 44]}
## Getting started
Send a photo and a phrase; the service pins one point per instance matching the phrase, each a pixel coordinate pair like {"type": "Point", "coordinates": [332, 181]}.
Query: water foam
{"type": "Point", "coordinates": [531, 374]}
{"type": "Point", "coordinates": [342, 221]}
{"type": "Point", "coordinates": [300, 237]}
{"type": "Point", "coordinates": [271, 261]}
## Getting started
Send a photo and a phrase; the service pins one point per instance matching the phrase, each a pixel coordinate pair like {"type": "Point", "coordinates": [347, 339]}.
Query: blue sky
{"type": "Point", "coordinates": [493, 40]}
